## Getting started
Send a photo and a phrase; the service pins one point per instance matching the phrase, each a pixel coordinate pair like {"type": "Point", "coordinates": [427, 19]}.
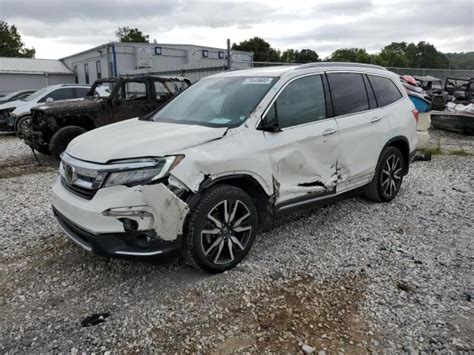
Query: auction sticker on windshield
{"type": "Point", "coordinates": [257, 81]}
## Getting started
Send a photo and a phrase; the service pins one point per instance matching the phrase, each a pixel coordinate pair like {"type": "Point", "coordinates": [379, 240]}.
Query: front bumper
{"type": "Point", "coordinates": [97, 224]}
{"type": "Point", "coordinates": [7, 123]}
{"type": "Point", "coordinates": [125, 244]}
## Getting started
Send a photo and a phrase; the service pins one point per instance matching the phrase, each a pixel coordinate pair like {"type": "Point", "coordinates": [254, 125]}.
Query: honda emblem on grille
{"type": "Point", "coordinates": [70, 174]}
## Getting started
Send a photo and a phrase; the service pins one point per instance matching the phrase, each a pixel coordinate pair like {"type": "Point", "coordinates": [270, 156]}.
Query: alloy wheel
{"type": "Point", "coordinates": [227, 232]}
{"type": "Point", "coordinates": [391, 175]}
{"type": "Point", "coordinates": [25, 127]}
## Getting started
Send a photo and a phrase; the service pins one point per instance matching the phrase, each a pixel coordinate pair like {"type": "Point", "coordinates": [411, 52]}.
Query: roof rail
{"type": "Point", "coordinates": [339, 64]}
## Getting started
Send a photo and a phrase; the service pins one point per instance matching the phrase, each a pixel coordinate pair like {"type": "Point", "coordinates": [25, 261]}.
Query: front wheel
{"type": "Point", "coordinates": [62, 138]}
{"type": "Point", "coordinates": [388, 176]}
{"type": "Point", "coordinates": [23, 127]}
{"type": "Point", "coordinates": [221, 229]}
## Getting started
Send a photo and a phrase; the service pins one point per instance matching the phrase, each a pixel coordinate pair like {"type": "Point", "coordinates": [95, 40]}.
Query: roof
{"type": "Point", "coordinates": [310, 67]}
{"type": "Point", "coordinates": [163, 45]}
{"type": "Point", "coordinates": [32, 66]}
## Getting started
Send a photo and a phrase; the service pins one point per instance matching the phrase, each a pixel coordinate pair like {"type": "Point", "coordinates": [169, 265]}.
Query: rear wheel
{"type": "Point", "coordinates": [388, 176]}
{"type": "Point", "coordinates": [221, 229]}
{"type": "Point", "coordinates": [62, 137]}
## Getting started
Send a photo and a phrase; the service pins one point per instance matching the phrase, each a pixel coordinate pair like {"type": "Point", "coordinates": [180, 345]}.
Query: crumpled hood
{"type": "Point", "coordinates": [70, 106]}
{"type": "Point", "coordinates": [135, 138]}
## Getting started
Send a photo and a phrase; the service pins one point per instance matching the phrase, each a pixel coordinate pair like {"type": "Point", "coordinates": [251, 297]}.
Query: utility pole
{"type": "Point", "coordinates": [228, 55]}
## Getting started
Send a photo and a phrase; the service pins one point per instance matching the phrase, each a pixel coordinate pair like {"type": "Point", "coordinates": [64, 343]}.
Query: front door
{"type": "Point", "coordinates": [132, 100]}
{"type": "Point", "coordinates": [304, 152]}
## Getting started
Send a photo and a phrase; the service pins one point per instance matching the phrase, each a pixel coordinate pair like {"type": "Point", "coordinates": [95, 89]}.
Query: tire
{"type": "Point", "coordinates": [229, 239]}
{"type": "Point", "coordinates": [23, 124]}
{"type": "Point", "coordinates": [388, 176]}
{"type": "Point", "coordinates": [62, 137]}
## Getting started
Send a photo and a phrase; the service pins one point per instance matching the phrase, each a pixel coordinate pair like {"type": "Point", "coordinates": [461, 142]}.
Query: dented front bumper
{"type": "Point", "coordinates": [143, 220]}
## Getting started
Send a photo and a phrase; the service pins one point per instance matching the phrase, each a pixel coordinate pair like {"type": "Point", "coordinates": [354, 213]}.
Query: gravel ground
{"type": "Point", "coordinates": [354, 276]}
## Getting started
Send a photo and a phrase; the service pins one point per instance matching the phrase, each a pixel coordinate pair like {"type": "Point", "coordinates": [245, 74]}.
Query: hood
{"type": "Point", "coordinates": [134, 139]}
{"type": "Point", "coordinates": [11, 104]}
{"type": "Point", "coordinates": [70, 106]}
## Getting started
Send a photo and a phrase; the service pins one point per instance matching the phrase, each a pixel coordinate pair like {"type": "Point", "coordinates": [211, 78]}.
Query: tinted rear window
{"type": "Point", "coordinates": [386, 91]}
{"type": "Point", "coordinates": [81, 92]}
{"type": "Point", "coordinates": [348, 93]}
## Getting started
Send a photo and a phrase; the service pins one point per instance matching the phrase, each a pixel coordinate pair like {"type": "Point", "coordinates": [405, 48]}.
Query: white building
{"type": "Point", "coordinates": [27, 73]}
{"type": "Point", "coordinates": [118, 58]}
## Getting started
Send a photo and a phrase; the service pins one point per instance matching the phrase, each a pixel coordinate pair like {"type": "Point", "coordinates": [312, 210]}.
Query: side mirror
{"type": "Point", "coordinates": [269, 126]}
{"type": "Point", "coordinates": [49, 100]}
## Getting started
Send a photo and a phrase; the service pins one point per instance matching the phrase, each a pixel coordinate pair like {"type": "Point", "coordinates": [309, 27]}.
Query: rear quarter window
{"type": "Point", "coordinates": [385, 90]}
{"type": "Point", "coordinates": [81, 92]}
{"type": "Point", "coordinates": [348, 93]}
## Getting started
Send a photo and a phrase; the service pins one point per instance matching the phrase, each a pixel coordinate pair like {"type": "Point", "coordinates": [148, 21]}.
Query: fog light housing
{"type": "Point", "coordinates": [129, 225]}
{"type": "Point", "coordinates": [143, 241]}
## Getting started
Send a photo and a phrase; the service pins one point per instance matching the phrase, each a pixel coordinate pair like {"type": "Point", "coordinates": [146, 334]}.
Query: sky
{"type": "Point", "coordinates": [57, 28]}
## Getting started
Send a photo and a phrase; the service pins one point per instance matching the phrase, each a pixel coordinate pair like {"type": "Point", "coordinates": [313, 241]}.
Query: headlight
{"type": "Point", "coordinates": [130, 176]}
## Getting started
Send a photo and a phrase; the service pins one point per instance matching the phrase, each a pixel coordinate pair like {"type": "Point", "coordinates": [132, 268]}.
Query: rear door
{"type": "Point", "coordinates": [362, 128]}
{"type": "Point", "coordinates": [303, 153]}
{"type": "Point", "coordinates": [67, 93]}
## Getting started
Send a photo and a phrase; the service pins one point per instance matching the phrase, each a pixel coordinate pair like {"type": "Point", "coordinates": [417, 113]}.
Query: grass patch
{"type": "Point", "coordinates": [460, 153]}
{"type": "Point", "coordinates": [432, 150]}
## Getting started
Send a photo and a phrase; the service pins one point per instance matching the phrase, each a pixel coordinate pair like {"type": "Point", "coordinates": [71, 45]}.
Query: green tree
{"type": "Point", "coordinates": [11, 44]}
{"type": "Point", "coordinates": [262, 51]}
{"type": "Point", "coordinates": [421, 55]}
{"type": "Point", "coordinates": [289, 56]}
{"type": "Point", "coordinates": [461, 60]}
{"type": "Point", "coordinates": [391, 58]}
{"type": "Point", "coordinates": [306, 56]}
{"type": "Point", "coordinates": [430, 57]}
{"type": "Point", "coordinates": [354, 55]}
{"type": "Point", "coordinates": [127, 34]}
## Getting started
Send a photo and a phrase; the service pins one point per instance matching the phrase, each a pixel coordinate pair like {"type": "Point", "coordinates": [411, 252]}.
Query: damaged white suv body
{"type": "Point", "coordinates": [222, 159]}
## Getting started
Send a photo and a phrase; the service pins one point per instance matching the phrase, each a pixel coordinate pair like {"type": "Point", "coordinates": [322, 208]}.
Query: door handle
{"type": "Point", "coordinates": [375, 119]}
{"type": "Point", "coordinates": [329, 131]}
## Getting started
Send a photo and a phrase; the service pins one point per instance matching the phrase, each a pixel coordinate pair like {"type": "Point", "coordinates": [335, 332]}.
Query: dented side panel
{"type": "Point", "coordinates": [303, 160]}
{"type": "Point", "coordinates": [241, 151]}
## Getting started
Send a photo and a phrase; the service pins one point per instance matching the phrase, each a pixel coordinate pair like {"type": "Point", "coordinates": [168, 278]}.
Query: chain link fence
{"type": "Point", "coordinates": [196, 72]}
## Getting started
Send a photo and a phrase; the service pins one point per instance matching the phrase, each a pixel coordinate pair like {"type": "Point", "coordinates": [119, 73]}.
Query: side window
{"type": "Point", "coordinates": [86, 73]}
{"type": "Point", "coordinates": [81, 92]}
{"type": "Point", "coordinates": [302, 101]}
{"type": "Point", "coordinates": [98, 69]}
{"type": "Point", "coordinates": [161, 91]}
{"type": "Point", "coordinates": [133, 90]}
{"type": "Point", "coordinates": [370, 93]}
{"type": "Point", "coordinates": [76, 75]}
{"type": "Point", "coordinates": [60, 94]}
{"type": "Point", "coordinates": [385, 90]}
{"type": "Point", "coordinates": [348, 93]}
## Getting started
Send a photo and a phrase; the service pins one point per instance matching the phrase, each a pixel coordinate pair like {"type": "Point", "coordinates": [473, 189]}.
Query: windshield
{"type": "Point", "coordinates": [37, 95]}
{"type": "Point", "coordinates": [216, 102]}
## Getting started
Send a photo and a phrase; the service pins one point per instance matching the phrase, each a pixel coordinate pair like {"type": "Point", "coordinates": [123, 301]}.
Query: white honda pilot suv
{"type": "Point", "coordinates": [202, 174]}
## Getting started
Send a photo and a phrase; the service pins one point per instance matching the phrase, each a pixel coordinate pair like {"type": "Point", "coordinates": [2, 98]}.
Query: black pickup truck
{"type": "Point", "coordinates": [53, 126]}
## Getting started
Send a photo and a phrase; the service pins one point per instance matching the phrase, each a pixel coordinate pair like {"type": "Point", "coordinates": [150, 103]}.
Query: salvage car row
{"type": "Point", "coordinates": [50, 118]}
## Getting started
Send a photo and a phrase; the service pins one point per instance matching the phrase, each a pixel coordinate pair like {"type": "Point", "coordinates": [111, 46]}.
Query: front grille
{"type": "Point", "coordinates": [88, 194]}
